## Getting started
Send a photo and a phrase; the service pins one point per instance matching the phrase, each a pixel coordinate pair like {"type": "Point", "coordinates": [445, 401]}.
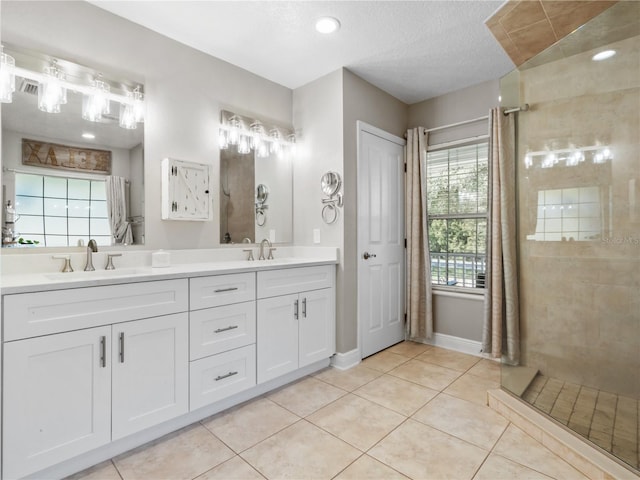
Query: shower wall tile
{"type": "Point", "coordinates": [580, 311]}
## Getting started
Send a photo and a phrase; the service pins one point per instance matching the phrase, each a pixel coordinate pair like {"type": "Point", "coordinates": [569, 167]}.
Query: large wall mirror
{"type": "Point", "coordinates": [256, 182]}
{"type": "Point", "coordinates": [58, 196]}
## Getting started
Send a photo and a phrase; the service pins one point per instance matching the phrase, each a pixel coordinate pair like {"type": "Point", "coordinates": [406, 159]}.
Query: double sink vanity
{"type": "Point", "coordinates": [96, 363]}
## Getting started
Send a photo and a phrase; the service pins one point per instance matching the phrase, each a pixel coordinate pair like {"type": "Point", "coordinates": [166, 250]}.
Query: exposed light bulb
{"type": "Point", "coordinates": [243, 145]}
{"type": "Point", "coordinates": [528, 161]}
{"type": "Point", "coordinates": [51, 93]}
{"type": "Point", "coordinates": [97, 102]}
{"type": "Point", "coordinates": [223, 143]}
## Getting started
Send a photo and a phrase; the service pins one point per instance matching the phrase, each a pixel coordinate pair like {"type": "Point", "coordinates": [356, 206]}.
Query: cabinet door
{"type": "Point", "coordinates": [316, 326]}
{"type": "Point", "coordinates": [277, 337]}
{"type": "Point", "coordinates": [150, 372]}
{"type": "Point", "coordinates": [186, 190]}
{"type": "Point", "coordinates": [57, 399]}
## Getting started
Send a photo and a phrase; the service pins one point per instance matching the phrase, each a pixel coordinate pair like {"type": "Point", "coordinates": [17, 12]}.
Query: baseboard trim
{"type": "Point", "coordinates": [458, 344]}
{"type": "Point", "coordinates": [344, 361]}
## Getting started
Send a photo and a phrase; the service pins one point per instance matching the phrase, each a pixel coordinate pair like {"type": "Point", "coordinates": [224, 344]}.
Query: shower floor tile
{"type": "Point", "coordinates": [610, 421]}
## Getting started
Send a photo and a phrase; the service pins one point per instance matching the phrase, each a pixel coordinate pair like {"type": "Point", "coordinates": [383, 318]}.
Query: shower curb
{"type": "Point", "coordinates": [588, 460]}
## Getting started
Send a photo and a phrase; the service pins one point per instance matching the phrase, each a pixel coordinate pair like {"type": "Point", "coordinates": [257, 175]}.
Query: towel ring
{"type": "Point", "coordinates": [329, 213]}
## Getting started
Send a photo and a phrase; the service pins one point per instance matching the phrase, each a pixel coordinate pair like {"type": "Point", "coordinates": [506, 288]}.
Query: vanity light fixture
{"type": "Point", "coordinates": [7, 77]}
{"type": "Point", "coordinates": [233, 131]}
{"type": "Point", "coordinates": [568, 157]}
{"type": "Point", "coordinates": [53, 87]}
{"type": "Point", "coordinates": [327, 25]}
{"type": "Point", "coordinates": [51, 92]}
{"type": "Point", "coordinates": [603, 55]}
{"type": "Point", "coordinates": [96, 103]}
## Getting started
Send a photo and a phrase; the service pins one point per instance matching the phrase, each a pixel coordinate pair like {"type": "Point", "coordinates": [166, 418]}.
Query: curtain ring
{"type": "Point", "coordinates": [261, 218]}
{"type": "Point", "coordinates": [329, 213]}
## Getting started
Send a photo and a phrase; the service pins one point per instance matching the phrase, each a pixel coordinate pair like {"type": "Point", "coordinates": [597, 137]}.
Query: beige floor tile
{"type": "Point", "coordinates": [234, 469]}
{"type": "Point", "coordinates": [184, 454]}
{"type": "Point", "coordinates": [301, 451]}
{"type": "Point", "coordinates": [409, 349]}
{"type": "Point", "coordinates": [448, 358]}
{"type": "Point", "coordinates": [397, 394]}
{"type": "Point", "coordinates": [349, 379]}
{"type": "Point", "coordinates": [521, 448]}
{"type": "Point", "coordinates": [357, 421]}
{"type": "Point", "coordinates": [466, 420]}
{"type": "Point", "coordinates": [367, 468]}
{"type": "Point", "coordinates": [419, 451]}
{"type": "Point", "coordinates": [244, 426]}
{"type": "Point", "coordinates": [426, 374]}
{"type": "Point", "coordinates": [102, 471]}
{"type": "Point", "coordinates": [472, 388]}
{"type": "Point", "coordinates": [497, 467]}
{"type": "Point", "coordinates": [306, 396]}
{"type": "Point", "coordinates": [384, 361]}
{"type": "Point", "coordinates": [486, 369]}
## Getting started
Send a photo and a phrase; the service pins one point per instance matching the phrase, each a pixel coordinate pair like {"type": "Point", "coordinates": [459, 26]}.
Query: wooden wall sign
{"type": "Point", "coordinates": [52, 155]}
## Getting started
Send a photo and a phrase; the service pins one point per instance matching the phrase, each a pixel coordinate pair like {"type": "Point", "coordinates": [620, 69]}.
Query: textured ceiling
{"type": "Point", "coordinates": [413, 50]}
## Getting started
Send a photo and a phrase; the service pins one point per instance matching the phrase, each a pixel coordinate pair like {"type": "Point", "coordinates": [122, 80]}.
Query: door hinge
{"type": "Point", "coordinates": [405, 168]}
{"type": "Point", "coordinates": [405, 243]}
{"type": "Point", "coordinates": [405, 318]}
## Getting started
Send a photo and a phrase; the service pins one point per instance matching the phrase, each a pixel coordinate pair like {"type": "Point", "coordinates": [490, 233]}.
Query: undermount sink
{"type": "Point", "coordinates": [82, 275]}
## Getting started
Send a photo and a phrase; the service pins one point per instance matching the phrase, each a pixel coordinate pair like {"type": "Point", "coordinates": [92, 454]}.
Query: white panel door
{"type": "Point", "coordinates": [316, 322]}
{"type": "Point", "coordinates": [57, 399]}
{"type": "Point", "coordinates": [150, 372]}
{"type": "Point", "coordinates": [380, 240]}
{"type": "Point", "coordinates": [277, 336]}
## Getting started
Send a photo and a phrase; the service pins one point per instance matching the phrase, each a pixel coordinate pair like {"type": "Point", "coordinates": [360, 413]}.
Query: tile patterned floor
{"type": "Point", "coordinates": [610, 421]}
{"type": "Point", "coordinates": [413, 411]}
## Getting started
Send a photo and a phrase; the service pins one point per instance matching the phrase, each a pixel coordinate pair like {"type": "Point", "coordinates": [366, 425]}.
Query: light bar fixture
{"type": "Point", "coordinates": [568, 157]}
{"type": "Point", "coordinates": [248, 134]}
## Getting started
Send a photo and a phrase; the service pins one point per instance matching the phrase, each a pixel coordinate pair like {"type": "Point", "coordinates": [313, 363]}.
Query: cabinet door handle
{"type": "Point", "coordinates": [295, 309]}
{"type": "Point", "coordinates": [121, 338]}
{"type": "Point", "coordinates": [103, 351]}
{"type": "Point", "coordinates": [225, 329]}
{"type": "Point", "coordinates": [230, 289]}
{"type": "Point", "coordinates": [222, 377]}
{"type": "Point", "coordinates": [304, 307]}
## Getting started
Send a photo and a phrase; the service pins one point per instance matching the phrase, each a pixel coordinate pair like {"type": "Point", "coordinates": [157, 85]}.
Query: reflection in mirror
{"type": "Point", "coordinates": [244, 182]}
{"type": "Point", "coordinates": [54, 176]}
{"type": "Point", "coordinates": [330, 183]}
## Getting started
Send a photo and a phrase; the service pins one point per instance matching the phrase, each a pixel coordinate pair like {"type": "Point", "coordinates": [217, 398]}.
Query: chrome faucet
{"type": "Point", "coordinates": [92, 247]}
{"type": "Point", "coordinates": [261, 256]}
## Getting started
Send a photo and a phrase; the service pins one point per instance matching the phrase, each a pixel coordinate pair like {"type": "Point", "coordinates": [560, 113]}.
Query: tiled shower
{"type": "Point", "coordinates": [578, 174]}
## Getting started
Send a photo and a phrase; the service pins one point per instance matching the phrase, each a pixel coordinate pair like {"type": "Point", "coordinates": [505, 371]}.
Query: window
{"type": "Point", "coordinates": [59, 211]}
{"type": "Point", "coordinates": [457, 187]}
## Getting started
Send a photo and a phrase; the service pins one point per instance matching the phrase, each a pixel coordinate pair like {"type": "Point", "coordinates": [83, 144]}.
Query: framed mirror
{"type": "Point", "coordinates": [59, 195]}
{"type": "Point", "coordinates": [256, 198]}
{"type": "Point", "coordinates": [330, 183]}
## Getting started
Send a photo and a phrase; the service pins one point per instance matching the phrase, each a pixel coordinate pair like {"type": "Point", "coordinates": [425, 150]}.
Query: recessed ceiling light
{"type": "Point", "coordinates": [603, 55]}
{"type": "Point", "coordinates": [327, 24]}
{"type": "Point", "coordinates": [89, 136]}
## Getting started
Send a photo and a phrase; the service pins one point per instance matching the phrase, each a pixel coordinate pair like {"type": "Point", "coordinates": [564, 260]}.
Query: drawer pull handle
{"type": "Point", "coordinates": [121, 337]}
{"type": "Point", "coordinates": [304, 307]}
{"type": "Point", "coordinates": [222, 377]}
{"type": "Point", "coordinates": [230, 289]}
{"type": "Point", "coordinates": [225, 329]}
{"type": "Point", "coordinates": [295, 309]}
{"type": "Point", "coordinates": [103, 351]}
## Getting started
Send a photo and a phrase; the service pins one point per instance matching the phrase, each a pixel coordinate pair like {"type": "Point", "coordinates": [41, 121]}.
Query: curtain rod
{"type": "Point", "coordinates": [60, 173]}
{"type": "Point", "coordinates": [474, 120]}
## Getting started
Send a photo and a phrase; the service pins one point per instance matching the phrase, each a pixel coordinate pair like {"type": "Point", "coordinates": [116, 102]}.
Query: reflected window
{"type": "Point", "coordinates": [569, 214]}
{"type": "Point", "coordinates": [457, 193]}
{"type": "Point", "coordinates": [58, 211]}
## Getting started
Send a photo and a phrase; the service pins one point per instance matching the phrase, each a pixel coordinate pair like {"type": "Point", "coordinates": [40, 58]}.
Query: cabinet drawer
{"type": "Point", "coordinates": [42, 313]}
{"type": "Point", "coordinates": [216, 330]}
{"type": "Point", "coordinates": [219, 290]}
{"type": "Point", "coordinates": [219, 376]}
{"type": "Point", "coordinates": [272, 283]}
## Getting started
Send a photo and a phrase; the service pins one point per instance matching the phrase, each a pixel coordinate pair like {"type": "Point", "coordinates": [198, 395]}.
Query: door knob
{"type": "Point", "coordinates": [368, 255]}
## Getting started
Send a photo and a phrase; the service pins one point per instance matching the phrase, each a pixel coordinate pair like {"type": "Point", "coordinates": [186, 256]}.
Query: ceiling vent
{"type": "Point", "coordinates": [28, 86]}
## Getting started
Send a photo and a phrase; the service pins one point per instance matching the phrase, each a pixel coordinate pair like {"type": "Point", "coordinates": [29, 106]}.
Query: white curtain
{"type": "Point", "coordinates": [117, 210]}
{"type": "Point", "coordinates": [419, 299]}
{"type": "Point", "coordinates": [501, 332]}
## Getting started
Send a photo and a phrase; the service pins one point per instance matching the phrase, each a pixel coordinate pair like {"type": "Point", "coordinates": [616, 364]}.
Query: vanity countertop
{"type": "Point", "coordinates": [37, 282]}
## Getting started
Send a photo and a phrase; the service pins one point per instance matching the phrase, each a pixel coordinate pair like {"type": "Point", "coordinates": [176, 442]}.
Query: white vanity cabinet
{"type": "Point", "coordinates": [222, 337]}
{"type": "Point", "coordinates": [294, 328]}
{"type": "Point", "coordinates": [67, 393]}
